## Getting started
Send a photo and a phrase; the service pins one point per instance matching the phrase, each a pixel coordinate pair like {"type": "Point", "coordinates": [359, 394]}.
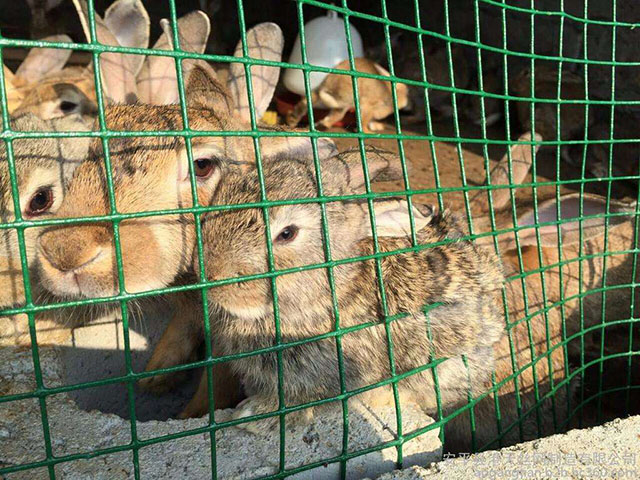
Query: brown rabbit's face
{"type": "Point", "coordinates": [40, 191]}
{"type": "Point", "coordinates": [65, 93]}
{"type": "Point", "coordinates": [149, 174]}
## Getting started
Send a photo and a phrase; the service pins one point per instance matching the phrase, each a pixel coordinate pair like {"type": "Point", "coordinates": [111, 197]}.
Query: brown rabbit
{"type": "Point", "coordinates": [151, 173]}
{"type": "Point", "coordinates": [553, 302]}
{"type": "Point", "coordinates": [336, 93]}
{"type": "Point", "coordinates": [44, 86]}
{"type": "Point", "coordinates": [466, 280]}
{"type": "Point", "coordinates": [619, 233]}
{"type": "Point", "coordinates": [42, 168]}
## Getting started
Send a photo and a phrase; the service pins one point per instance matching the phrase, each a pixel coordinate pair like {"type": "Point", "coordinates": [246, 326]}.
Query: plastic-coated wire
{"type": "Point", "coordinates": [539, 360]}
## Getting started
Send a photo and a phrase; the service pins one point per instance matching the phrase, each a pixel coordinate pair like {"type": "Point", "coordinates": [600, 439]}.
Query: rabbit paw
{"type": "Point", "coordinates": [257, 405]}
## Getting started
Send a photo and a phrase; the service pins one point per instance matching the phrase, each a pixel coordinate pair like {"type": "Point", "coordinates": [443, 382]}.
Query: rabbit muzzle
{"type": "Point", "coordinates": [246, 299]}
{"type": "Point", "coordinates": [77, 261]}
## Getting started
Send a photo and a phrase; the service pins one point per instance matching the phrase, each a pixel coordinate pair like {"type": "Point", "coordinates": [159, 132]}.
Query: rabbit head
{"type": "Point", "coordinates": [44, 86]}
{"type": "Point", "coordinates": [42, 168]}
{"type": "Point", "coordinates": [151, 173]}
{"type": "Point", "coordinates": [235, 243]}
{"type": "Point", "coordinates": [68, 93]}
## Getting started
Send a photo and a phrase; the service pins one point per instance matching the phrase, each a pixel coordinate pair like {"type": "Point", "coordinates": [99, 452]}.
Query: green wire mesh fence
{"type": "Point", "coordinates": [542, 323]}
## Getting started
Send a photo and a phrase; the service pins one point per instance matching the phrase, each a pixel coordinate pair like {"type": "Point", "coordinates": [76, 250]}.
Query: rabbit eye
{"type": "Point", "coordinates": [67, 106]}
{"type": "Point", "coordinates": [287, 234]}
{"type": "Point", "coordinates": [203, 167]}
{"type": "Point", "coordinates": [40, 202]}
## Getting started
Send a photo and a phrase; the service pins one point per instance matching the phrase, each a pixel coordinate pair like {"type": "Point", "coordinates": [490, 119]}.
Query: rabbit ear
{"type": "Point", "coordinates": [40, 62]}
{"type": "Point", "coordinates": [381, 70]}
{"type": "Point", "coordinates": [299, 148]}
{"type": "Point", "coordinates": [118, 76]}
{"type": "Point", "coordinates": [193, 31]}
{"type": "Point", "coordinates": [157, 80]}
{"type": "Point", "coordinates": [592, 205]}
{"type": "Point", "coordinates": [264, 41]}
{"type": "Point", "coordinates": [14, 95]}
{"type": "Point", "coordinates": [521, 160]}
{"type": "Point", "coordinates": [83, 13]}
{"type": "Point", "coordinates": [204, 91]}
{"type": "Point", "coordinates": [392, 218]}
{"type": "Point", "coordinates": [128, 20]}
{"type": "Point", "coordinates": [343, 173]}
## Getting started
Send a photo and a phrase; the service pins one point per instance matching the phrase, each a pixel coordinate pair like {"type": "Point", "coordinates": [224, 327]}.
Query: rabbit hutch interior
{"type": "Point", "coordinates": [261, 239]}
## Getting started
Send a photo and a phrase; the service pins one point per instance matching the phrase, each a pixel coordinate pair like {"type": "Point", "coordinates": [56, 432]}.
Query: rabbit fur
{"type": "Point", "coordinates": [465, 279]}
{"type": "Point", "coordinates": [548, 309]}
{"type": "Point", "coordinates": [43, 166]}
{"type": "Point", "coordinates": [151, 173]}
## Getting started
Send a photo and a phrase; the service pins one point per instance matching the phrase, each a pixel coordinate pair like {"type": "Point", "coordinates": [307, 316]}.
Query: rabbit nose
{"type": "Point", "coordinates": [66, 250]}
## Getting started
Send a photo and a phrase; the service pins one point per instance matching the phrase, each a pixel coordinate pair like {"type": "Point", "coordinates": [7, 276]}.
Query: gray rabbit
{"type": "Point", "coordinates": [463, 278]}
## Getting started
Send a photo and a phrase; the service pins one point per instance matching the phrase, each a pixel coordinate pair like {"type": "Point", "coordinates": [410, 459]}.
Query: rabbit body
{"type": "Point", "coordinates": [336, 93]}
{"type": "Point", "coordinates": [465, 279]}
{"type": "Point", "coordinates": [545, 308]}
